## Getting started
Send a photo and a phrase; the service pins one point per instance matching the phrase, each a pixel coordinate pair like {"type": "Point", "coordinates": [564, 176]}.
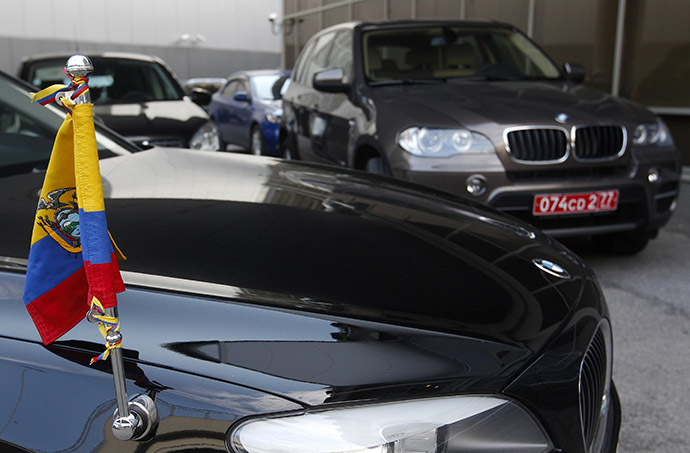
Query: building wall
{"type": "Point", "coordinates": [197, 38]}
{"type": "Point", "coordinates": [654, 66]}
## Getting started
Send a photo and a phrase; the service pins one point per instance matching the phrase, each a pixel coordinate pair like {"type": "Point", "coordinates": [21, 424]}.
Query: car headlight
{"type": "Point", "coordinates": [467, 424]}
{"type": "Point", "coordinates": [443, 142]}
{"type": "Point", "coordinates": [652, 134]}
{"type": "Point", "coordinates": [206, 138]}
{"type": "Point", "coordinates": [274, 117]}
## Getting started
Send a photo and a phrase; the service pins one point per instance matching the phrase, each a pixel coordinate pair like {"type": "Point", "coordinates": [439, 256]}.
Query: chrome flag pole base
{"type": "Point", "coordinates": [141, 422]}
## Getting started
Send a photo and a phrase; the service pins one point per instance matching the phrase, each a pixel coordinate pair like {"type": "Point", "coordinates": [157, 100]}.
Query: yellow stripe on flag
{"type": "Point", "coordinates": [90, 187]}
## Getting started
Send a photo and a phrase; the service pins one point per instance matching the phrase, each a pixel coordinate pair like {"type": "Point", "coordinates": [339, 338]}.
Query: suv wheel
{"type": "Point", "coordinates": [376, 165]}
{"type": "Point", "coordinates": [287, 149]}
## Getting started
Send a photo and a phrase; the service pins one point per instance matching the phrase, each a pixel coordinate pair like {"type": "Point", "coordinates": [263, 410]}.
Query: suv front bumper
{"type": "Point", "coordinates": [643, 205]}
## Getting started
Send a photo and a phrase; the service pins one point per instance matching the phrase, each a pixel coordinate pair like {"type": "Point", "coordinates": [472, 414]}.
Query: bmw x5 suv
{"type": "Point", "coordinates": [478, 110]}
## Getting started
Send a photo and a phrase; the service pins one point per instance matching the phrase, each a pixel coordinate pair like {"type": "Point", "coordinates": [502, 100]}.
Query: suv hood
{"type": "Point", "coordinates": [472, 103]}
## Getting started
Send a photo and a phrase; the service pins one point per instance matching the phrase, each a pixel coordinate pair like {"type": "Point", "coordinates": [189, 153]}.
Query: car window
{"type": "Point", "coordinates": [341, 53]}
{"type": "Point", "coordinates": [319, 57]}
{"type": "Point", "coordinates": [115, 80]}
{"type": "Point", "coordinates": [268, 87]}
{"type": "Point", "coordinates": [298, 72]}
{"type": "Point", "coordinates": [231, 88]}
{"type": "Point", "coordinates": [28, 130]}
{"type": "Point", "coordinates": [244, 87]}
{"type": "Point", "coordinates": [453, 52]}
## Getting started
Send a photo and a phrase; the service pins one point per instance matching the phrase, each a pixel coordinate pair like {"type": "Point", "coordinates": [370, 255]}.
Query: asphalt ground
{"type": "Point", "coordinates": [649, 298]}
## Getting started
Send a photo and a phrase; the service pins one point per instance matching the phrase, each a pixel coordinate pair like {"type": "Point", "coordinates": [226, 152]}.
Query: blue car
{"type": "Point", "coordinates": [248, 108]}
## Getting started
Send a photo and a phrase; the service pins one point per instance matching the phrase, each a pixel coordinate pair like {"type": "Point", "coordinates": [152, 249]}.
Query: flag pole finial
{"type": "Point", "coordinates": [79, 66]}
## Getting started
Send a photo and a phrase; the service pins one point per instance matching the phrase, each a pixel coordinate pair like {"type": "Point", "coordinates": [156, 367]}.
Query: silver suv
{"type": "Point", "coordinates": [478, 110]}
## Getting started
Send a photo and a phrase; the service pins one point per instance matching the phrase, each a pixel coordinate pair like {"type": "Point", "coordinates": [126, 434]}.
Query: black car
{"type": "Point", "coordinates": [478, 110]}
{"type": "Point", "coordinates": [287, 307]}
{"type": "Point", "coordinates": [136, 95]}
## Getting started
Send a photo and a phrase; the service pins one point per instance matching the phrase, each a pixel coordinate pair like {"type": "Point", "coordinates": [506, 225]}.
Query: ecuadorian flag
{"type": "Point", "coordinates": [72, 257]}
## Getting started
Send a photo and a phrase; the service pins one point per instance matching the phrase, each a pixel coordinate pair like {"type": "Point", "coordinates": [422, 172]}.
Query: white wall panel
{"type": "Point", "coordinates": [86, 22]}
{"type": "Point", "coordinates": [38, 17]}
{"type": "Point", "coordinates": [142, 22]}
{"type": "Point", "coordinates": [226, 24]}
{"type": "Point", "coordinates": [237, 33]}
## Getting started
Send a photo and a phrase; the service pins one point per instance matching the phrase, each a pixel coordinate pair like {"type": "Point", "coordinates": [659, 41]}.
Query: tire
{"type": "Point", "coordinates": [377, 166]}
{"type": "Point", "coordinates": [622, 244]}
{"type": "Point", "coordinates": [289, 154]}
{"type": "Point", "coordinates": [256, 141]}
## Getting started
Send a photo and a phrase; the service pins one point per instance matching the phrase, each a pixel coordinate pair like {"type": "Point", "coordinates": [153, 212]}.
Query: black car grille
{"type": "Point", "coordinates": [551, 144]}
{"type": "Point", "coordinates": [534, 145]}
{"type": "Point", "coordinates": [598, 142]}
{"type": "Point", "coordinates": [593, 386]}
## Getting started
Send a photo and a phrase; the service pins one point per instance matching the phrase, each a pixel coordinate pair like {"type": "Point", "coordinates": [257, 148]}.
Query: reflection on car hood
{"type": "Point", "coordinates": [287, 228]}
{"type": "Point", "coordinates": [502, 102]}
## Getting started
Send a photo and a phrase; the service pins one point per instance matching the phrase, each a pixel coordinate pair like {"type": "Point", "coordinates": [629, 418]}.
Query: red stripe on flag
{"type": "Point", "coordinates": [105, 281]}
{"type": "Point", "coordinates": [61, 308]}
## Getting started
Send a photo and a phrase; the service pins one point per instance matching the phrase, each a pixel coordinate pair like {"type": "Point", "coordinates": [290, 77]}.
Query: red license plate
{"type": "Point", "coordinates": [575, 203]}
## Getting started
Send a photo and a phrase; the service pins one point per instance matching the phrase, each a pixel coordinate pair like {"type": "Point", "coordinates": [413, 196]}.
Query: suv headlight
{"type": "Point", "coordinates": [467, 424]}
{"type": "Point", "coordinates": [443, 142]}
{"type": "Point", "coordinates": [652, 134]}
{"type": "Point", "coordinates": [206, 138]}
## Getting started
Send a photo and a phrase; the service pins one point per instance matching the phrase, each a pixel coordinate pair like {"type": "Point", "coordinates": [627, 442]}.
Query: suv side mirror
{"type": "Point", "coordinates": [574, 72]}
{"type": "Point", "coordinates": [330, 81]}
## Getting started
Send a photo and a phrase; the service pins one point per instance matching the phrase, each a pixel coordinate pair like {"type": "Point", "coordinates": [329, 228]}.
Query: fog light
{"type": "Point", "coordinates": [476, 185]}
{"type": "Point", "coordinates": [674, 205]}
{"type": "Point", "coordinates": [653, 175]}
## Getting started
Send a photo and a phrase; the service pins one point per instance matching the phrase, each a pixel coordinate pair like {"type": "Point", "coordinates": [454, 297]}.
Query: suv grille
{"type": "Point", "coordinates": [598, 142]}
{"type": "Point", "coordinates": [549, 144]}
{"type": "Point", "coordinates": [594, 387]}
{"type": "Point", "coordinates": [535, 145]}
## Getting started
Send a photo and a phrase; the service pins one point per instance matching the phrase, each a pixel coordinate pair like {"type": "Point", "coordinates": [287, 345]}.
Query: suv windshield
{"type": "Point", "coordinates": [409, 54]}
{"type": "Point", "coordinates": [114, 81]}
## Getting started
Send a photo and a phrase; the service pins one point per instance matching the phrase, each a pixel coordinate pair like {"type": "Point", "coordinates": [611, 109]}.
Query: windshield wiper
{"type": "Point", "coordinates": [407, 82]}
{"type": "Point", "coordinates": [498, 78]}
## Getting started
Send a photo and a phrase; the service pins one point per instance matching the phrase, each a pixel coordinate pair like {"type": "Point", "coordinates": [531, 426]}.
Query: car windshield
{"type": "Point", "coordinates": [269, 87]}
{"type": "Point", "coordinates": [28, 130]}
{"type": "Point", "coordinates": [114, 81]}
{"type": "Point", "coordinates": [439, 53]}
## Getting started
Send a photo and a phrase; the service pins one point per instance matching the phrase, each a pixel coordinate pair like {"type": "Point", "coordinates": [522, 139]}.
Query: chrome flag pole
{"type": "Point", "coordinates": [136, 419]}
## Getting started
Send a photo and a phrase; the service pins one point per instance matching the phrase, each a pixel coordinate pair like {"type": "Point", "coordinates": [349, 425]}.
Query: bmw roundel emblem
{"type": "Point", "coordinates": [562, 118]}
{"type": "Point", "coordinates": [551, 268]}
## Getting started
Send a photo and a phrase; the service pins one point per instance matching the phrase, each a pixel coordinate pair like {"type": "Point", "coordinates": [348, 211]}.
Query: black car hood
{"type": "Point", "coordinates": [394, 270]}
{"type": "Point", "coordinates": [473, 103]}
{"type": "Point", "coordinates": [153, 120]}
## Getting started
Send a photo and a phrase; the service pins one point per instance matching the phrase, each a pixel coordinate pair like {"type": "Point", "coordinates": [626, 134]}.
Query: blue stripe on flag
{"type": "Point", "coordinates": [43, 274]}
{"type": "Point", "coordinates": [95, 241]}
